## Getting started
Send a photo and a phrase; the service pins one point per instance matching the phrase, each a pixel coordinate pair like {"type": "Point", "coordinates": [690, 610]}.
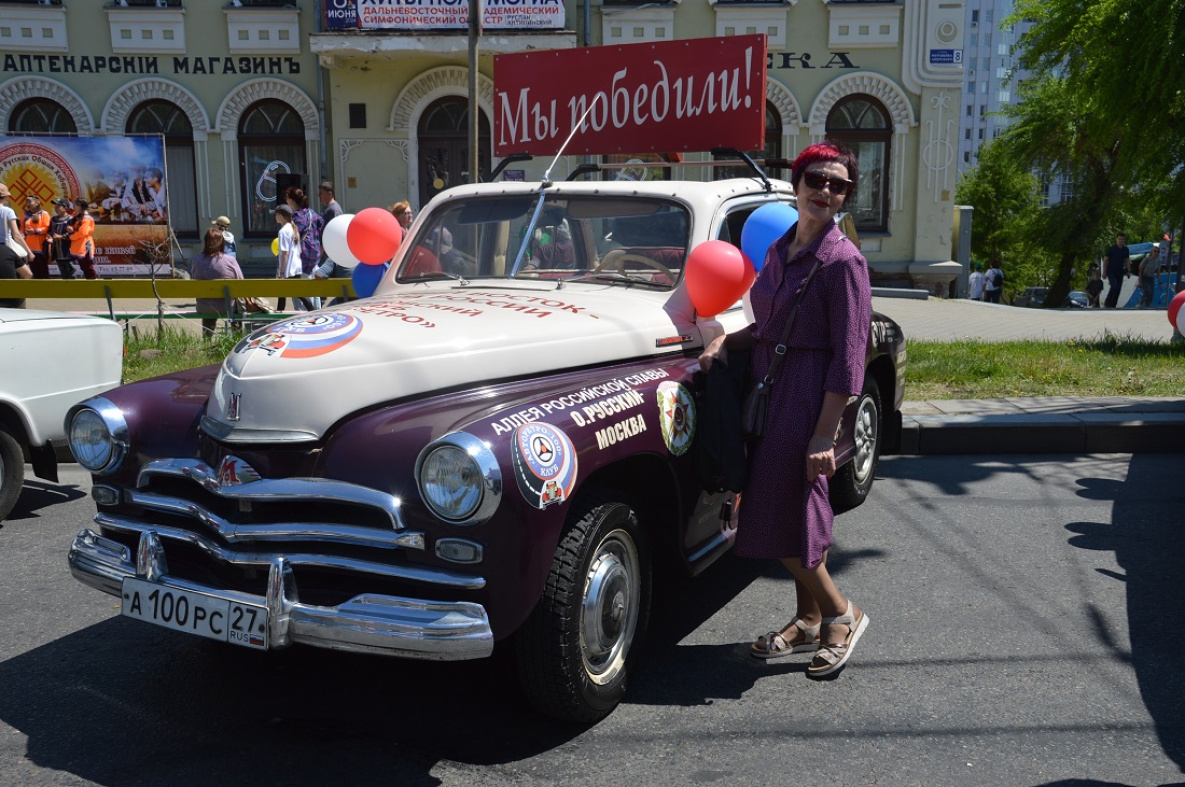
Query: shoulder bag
{"type": "Point", "coordinates": [755, 408]}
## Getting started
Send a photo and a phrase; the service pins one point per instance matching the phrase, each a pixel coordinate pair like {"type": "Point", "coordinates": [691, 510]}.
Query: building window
{"type": "Point", "coordinates": [271, 145]}
{"type": "Point", "coordinates": [975, 16]}
{"type": "Point", "coordinates": [773, 149]}
{"type": "Point", "coordinates": [165, 117]}
{"type": "Point", "coordinates": [1067, 188]}
{"type": "Point", "coordinates": [41, 116]}
{"type": "Point", "coordinates": [862, 123]}
{"type": "Point", "coordinates": [969, 110]}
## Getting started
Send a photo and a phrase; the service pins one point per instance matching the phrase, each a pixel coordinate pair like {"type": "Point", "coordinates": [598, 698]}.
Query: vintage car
{"type": "Point", "coordinates": [497, 446]}
{"type": "Point", "coordinates": [50, 361]}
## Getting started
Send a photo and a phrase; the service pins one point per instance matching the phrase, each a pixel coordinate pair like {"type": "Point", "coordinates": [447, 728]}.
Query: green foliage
{"type": "Point", "coordinates": [1110, 366]}
{"type": "Point", "coordinates": [1003, 194]}
{"type": "Point", "coordinates": [155, 353]}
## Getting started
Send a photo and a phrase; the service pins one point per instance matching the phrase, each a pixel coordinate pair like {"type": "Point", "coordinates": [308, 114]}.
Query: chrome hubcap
{"type": "Point", "coordinates": [865, 438]}
{"type": "Point", "coordinates": [609, 611]}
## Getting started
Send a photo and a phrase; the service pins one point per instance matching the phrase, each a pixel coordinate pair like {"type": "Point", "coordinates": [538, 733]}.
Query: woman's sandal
{"type": "Point", "coordinates": [831, 658]}
{"type": "Point", "coordinates": [775, 645]}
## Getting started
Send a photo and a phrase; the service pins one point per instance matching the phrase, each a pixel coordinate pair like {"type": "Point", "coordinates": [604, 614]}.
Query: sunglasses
{"type": "Point", "coordinates": [839, 186]}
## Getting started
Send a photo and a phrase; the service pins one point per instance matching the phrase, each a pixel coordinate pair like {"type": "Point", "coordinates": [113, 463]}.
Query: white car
{"type": "Point", "coordinates": [50, 361]}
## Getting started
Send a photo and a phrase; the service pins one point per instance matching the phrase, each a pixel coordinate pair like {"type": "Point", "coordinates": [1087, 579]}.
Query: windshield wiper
{"type": "Point", "coordinates": [613, 277]}
{"type": "Point", "coordinates": [428, 275]}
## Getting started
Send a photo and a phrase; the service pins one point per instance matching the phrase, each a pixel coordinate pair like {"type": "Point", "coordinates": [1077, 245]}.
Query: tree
{"type": "Point", "coordinates": [1003, 194]}
{"type": "Point", "coordinates": [1059, 132]}
{"type": "Point", "coordinates": [1126, 60]}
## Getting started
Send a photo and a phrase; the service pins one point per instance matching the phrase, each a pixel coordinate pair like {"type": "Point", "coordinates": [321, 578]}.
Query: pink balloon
{"type": "Point", "coordinates": [1175, 306]}
{"type": "Point", "coordinates": [717, 275]}
{"type": "Point", "coordinates": [374, 235]}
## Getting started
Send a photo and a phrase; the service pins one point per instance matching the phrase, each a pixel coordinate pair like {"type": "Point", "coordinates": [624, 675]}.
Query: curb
{"type": "Point", "coordinates": [1052, 433]}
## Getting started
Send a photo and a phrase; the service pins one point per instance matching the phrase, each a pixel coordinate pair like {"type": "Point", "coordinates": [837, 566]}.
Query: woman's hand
{"type": "Point", "coordinates": [820, 458]}
{"type": "Point", "coordinates": [715, 351]}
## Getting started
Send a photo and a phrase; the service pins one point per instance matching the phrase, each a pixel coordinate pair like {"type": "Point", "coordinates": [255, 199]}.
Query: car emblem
{"type": "Point", "coordinates": [233, 471]}
{"type": "Point", "coordinates": [232, 407]}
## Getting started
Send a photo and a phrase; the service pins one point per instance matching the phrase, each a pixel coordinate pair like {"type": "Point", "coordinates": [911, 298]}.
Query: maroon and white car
{"type": "Point", "coordinates": [497, 446]}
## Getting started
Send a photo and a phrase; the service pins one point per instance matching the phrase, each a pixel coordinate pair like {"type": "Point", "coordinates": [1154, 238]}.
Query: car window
{"type": "Point", "coordinates": [639, 237]}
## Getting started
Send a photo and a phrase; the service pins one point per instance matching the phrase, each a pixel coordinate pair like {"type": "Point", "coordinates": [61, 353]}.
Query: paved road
{"type": "Point", "coordinates": [1023, 632]}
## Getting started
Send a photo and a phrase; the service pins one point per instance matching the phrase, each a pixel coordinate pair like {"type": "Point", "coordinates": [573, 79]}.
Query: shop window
{"type": "Point", "coordinates": [773, 149]}
{"type": "Point", "coordinates": [862, 123]}
{"type": "Point", "coordinates": [271, 144]}
{"type": "Point", "coordinates": [165, 117]}
{"type": "Point", "coordinates": [41, 116]}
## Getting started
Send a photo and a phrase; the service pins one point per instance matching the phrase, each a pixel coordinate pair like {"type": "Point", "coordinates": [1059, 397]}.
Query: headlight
{"type": "Point", "coordinates": [459, 479]}
{"type": "Point", "coordinates": [98, 436]}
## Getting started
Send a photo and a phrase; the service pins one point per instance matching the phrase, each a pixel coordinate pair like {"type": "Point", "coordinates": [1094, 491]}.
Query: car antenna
{"type": "Point", "coordinates": [545, 184]}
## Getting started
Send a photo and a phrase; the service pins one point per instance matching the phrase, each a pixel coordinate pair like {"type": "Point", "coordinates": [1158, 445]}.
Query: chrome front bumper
{"type": "Point", "coordinates": [390, 625]}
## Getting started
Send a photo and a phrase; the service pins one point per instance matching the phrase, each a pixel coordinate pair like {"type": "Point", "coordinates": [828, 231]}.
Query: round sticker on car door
{"type": "Point", "coordinates": [544, 464]}
{"type": "Point", "coordinates": [676, 415]}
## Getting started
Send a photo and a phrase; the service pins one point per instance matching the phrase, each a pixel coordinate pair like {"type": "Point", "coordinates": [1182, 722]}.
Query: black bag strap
{"type": "Point", "coordinates": [780, 349]}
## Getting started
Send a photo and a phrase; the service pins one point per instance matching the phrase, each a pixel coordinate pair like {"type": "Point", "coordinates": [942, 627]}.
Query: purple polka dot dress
{"type": "Point", "coordinates": [781, 515]}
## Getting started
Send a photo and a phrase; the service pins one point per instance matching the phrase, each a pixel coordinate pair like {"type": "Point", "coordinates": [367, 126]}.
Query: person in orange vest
{"type": "Point", "coordinates": [36, 230]}
{"type": "Point", "coordinates": [82, 245]}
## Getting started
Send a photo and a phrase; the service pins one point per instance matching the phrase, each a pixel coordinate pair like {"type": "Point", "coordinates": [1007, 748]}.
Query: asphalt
{"type": "Point", "coordinates": [1027, 425]}
{"type": "Point", "coordinates": [1034, 425]}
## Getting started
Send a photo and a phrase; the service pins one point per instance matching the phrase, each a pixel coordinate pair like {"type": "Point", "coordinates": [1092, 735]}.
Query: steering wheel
{"type": "Point", "coordinates": [617, 258]}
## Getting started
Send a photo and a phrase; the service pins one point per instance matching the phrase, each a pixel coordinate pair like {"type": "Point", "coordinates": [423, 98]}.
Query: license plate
{"type": "Point", "coordinates": [195, 613]}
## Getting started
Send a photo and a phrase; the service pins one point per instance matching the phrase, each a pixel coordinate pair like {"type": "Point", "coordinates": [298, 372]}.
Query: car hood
{"type": "Point", "coordinates": [292, 380]}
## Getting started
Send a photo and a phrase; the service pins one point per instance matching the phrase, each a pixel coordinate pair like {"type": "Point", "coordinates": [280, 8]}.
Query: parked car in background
{"type": "Point", "coordinates": [48, 362]}
{"type": "Point", "coordinates": [1034, 298]}
{"type": "Point", "coordinates": [499, 445]}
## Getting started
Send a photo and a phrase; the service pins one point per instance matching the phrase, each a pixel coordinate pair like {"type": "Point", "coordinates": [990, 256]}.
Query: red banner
{"type": "Point", "coordinates": [690, 95]}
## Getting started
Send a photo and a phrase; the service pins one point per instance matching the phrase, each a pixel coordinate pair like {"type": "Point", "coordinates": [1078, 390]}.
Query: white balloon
{"type": "Point", "coordinates": [334, 241]}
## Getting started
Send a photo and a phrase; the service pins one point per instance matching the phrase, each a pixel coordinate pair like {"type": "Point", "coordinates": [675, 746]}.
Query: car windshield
{"type": "Point", "coordinates": [636, 240]}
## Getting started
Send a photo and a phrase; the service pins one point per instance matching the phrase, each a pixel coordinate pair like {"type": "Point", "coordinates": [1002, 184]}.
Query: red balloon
{"type": "Point", "coordinates": [374, 235]}
{"type": "Point", "coordinates": [717, 275]}
{"type": "Point", "coordinates": [1175, 306]}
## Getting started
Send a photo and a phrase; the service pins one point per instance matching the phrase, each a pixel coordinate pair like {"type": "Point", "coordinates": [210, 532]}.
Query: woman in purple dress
{"type": "Point", "coordinates": [785, 512]}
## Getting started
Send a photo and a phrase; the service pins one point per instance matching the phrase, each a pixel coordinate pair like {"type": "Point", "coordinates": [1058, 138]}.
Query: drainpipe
{"type": "Point", "coordinates": [324, 174]}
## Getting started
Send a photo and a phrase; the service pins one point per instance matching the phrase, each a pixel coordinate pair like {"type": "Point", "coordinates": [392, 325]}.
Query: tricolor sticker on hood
{"type": "Point", "coordinates": [305, 337]}
{"type": "Point", "coordinates": [544, 464]}
{"type": "Point", "coordinates": [676, 414]}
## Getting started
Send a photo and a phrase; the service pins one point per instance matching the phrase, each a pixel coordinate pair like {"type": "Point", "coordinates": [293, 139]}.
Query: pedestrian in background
{"type": "Point", "coordinates": [11, 225]}
{"type": "Point", "coordinates": [289, 265]}
{"type": "Point", "coordinates": [993, 283]}
{"type": "Point", "coordinates": [975, 283]}
{"type": "Point", "coordinates": [787, 514]}
{"type": "Point", "coordinates": [82, 238]}
{"type": "Point", "coordinates": [1149, 270]}
{"type": "Point", "coordinates": [310, 227]}
{"type": "Point", "coordinates": [229, 246]}
{"type": "Point", "coordinates": [13, 266]}
{"type": "Point", "coordinates": [403, 214]}
{"type": "Point", "coordinates": [330, 210]}
{"type": "Point", "coordinates": [59, 238]}
{"type": "Point", "coordinates": [1118, 266]}
{"type": "Point", "coordinates": [37, 236]}
{"type": "Point", "coordinates": [214, 263]}
{"type": "Point", "coordinates": [1094, 287]}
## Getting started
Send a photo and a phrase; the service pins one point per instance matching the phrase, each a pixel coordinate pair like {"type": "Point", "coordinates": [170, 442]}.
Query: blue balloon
{"type": "Point", "coordinates": [366, 278]}
{"type": "Point", "coordinates": [763, 227]}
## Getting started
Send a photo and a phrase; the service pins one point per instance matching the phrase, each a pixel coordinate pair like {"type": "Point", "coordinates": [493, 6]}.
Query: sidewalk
{"type": "Point", "coordinates": [1050, 424]}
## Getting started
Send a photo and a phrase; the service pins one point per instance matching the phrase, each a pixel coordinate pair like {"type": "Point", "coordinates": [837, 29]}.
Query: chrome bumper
{"type": "Point", "coordinates": [390, 625]}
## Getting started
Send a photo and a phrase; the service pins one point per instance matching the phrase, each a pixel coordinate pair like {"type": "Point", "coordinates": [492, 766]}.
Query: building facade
{"type": "Point", "coordinates": [234, 90]}
{"type": "Point", "coordinates": [357, 92]}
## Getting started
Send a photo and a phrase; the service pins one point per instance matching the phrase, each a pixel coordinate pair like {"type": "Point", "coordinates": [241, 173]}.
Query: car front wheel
{"type": "Point", "coordinates": [575, 650]}
{"type": "Point", "coordinates": [851, 483]}
{"type": "Point", "coordinates": [12, 472]}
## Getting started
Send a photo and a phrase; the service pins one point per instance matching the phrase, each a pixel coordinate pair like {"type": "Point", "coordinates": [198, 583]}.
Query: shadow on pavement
{"type": "Point", "coordinates": [37, 496]}
{"type": "Point", "coordinates": [120, 703]}
{"type": "Point", "coordinates": [1147, 535]}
